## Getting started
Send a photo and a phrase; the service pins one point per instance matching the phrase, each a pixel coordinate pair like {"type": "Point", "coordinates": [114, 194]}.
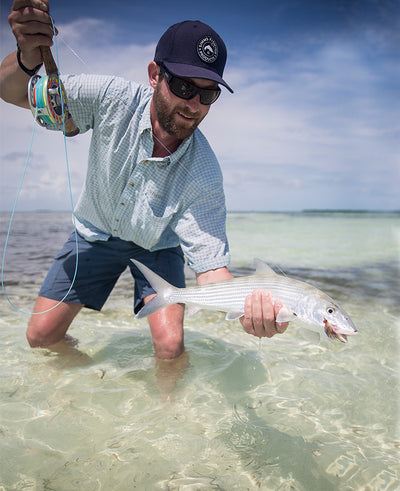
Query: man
{"type": "Point", "coordinates": [153, 189]}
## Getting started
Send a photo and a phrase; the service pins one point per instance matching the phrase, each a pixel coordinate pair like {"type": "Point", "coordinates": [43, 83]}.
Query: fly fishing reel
{"type": "Point", "coordinates": [47, 100]}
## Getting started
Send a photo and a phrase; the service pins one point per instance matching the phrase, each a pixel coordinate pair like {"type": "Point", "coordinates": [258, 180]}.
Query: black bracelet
{"type": "Point", "coordinates": [32, 72]}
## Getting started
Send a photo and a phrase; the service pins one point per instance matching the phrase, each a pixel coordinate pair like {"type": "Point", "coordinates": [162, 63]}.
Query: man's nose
{"type": "Point", "coordinates": [194, 103]}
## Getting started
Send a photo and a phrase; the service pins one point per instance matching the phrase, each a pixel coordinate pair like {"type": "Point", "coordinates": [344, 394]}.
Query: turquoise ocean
{"type": "Point", "coordinates": [234, 413]}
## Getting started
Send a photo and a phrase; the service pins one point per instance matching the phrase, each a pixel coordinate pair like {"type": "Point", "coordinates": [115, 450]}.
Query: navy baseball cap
{"type": "Point", "coordinates": [192, 49]}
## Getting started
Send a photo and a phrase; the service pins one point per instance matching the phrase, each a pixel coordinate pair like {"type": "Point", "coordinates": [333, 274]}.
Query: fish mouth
{"type": "Point", "coordinates": [332, 332]}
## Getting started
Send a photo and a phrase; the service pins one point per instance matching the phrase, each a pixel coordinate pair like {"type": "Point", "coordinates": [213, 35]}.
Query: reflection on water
{"type": "Point", "coordinates": [231, 413]}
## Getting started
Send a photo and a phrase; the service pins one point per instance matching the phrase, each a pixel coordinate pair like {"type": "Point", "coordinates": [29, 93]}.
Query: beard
{"type": "Point", "coordinates": [169, 119]}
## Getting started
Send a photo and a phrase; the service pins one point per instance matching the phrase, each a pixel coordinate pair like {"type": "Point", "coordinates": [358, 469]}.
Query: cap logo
{"type": "Point", "coordinates": [207, 49]}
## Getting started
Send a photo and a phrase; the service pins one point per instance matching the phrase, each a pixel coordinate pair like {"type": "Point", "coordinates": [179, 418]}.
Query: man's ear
{"type": "Point", "coordinates": [153, 71]}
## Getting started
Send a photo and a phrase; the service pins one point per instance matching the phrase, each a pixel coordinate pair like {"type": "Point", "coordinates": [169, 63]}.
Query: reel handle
{"type": "Point", "coordinates": [51, 67]}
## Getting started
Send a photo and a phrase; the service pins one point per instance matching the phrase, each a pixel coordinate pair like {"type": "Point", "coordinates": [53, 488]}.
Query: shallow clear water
{"type": "Point", "coordinates": [234, 413]}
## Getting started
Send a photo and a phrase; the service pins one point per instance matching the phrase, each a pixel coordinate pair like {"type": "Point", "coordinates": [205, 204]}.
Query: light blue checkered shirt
{"type": "Point", "coordinates": [153, 202]}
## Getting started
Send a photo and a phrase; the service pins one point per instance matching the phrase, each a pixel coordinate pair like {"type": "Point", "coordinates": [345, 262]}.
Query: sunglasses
{"type": "Point", "coordinates": [186, 90]}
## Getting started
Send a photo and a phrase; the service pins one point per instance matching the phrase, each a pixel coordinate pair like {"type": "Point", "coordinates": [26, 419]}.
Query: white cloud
{"type": "Point", "coordinates": [85, 45]}
{"type": "Point", "coordinates": [299, 124]}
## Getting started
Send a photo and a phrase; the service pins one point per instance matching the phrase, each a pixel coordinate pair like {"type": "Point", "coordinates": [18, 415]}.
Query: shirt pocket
{"type": "Point", "coordinates": [157, 204]}
{"type": "Point", "coordinates": [151, 221]}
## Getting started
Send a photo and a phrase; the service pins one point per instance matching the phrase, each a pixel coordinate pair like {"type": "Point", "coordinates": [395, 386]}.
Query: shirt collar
{"type": "Point", "coordinates": [145, 121]}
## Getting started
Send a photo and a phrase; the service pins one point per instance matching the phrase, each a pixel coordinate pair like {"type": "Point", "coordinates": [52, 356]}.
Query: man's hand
{"type": "Point", "coordinates": [32, 28]}
{"type": "Point", "coordinates": [260, 312]}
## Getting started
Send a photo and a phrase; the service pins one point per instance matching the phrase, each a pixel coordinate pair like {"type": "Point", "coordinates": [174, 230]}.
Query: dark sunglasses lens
{"type": "Point", "coordinates": [208, 97]}
{"type": "Point", "coordinates": [181, 88]}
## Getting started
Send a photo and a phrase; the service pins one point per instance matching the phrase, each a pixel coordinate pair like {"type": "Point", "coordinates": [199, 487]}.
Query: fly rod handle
{"type": "Point", "coordinates": [49, 63]}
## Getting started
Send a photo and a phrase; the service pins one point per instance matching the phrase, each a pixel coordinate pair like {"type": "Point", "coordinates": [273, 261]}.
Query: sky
{"type": "Point", "coordinates": [313, 122]}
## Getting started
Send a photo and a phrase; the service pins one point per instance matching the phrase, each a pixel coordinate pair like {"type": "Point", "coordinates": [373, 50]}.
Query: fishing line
{"type": "Point", "coordinates": [20, 188]}
{"type": "Point", "coordinates": [74, 52]}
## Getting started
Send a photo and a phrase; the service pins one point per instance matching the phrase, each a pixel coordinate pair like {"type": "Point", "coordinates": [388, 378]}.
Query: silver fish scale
{"type": "Point", "coordinates": [230, 295]}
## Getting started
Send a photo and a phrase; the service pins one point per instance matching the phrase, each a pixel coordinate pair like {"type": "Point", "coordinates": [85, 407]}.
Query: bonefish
{"type": "Point", "coordinates": [301, 300]}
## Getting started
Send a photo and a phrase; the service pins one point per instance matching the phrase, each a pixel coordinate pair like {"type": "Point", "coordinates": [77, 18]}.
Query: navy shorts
{"type": "Point", "coordinates": [100, 264]}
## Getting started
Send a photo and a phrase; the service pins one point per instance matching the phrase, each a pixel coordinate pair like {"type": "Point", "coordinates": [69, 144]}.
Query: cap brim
{"type": "Point", "coordinates": [190, 71]}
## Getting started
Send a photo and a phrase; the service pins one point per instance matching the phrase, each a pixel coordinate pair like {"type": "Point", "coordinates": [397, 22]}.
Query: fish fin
{"type": "Point", "coordinates": [162, 287]}
{"type": "Point", "coordinates": [311, 336]}
{"type": "Point", "coordinates": [154, 279]}
{"type": "Point", "coordinates": [285, 315]}
{"type": "Point", "coordinates": [232, 316]}
{"type": "Point", "coordinates": [192, 309]}
{"type": "Point", "coordinates": [262, 267]}
{"type": "Point", "coordinates": [155, 304]}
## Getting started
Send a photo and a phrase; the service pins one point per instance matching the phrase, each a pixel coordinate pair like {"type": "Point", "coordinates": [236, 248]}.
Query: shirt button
{"type": "Point", "coordinates": [145, 161]}
{"type": "Point", "coordinates": [131, 184]}
{"type": "Point", "coordinates": [122, 204]}
{"type": "Point", "coordinates": [116, 219]}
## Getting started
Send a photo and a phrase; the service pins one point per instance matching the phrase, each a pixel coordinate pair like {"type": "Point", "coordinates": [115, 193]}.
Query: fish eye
{"type": "Point", "coordinates": [330, 310]}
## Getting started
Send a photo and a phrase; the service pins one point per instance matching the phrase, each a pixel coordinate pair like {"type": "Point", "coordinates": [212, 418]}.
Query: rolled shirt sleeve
{"type": "Point", "coordinates": [201, 230]}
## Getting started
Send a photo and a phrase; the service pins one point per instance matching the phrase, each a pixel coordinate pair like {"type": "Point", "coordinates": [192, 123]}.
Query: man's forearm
{"type": "Point", "coordinates": [213, 275]}
{"type": "Point", "coordinates": [13, 82]}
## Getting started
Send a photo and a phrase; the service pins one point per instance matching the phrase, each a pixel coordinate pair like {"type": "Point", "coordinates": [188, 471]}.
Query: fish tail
{"type": "Point", "coordinates": [163, 288]}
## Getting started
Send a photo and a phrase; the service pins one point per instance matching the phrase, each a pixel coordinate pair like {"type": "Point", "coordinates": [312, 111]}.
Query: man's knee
{"type": "Point", "coordinates": [37, 335]}
{"type": "Point", "coordinates": [41, 334]}
{"type": "Point", "coordinates": [168, 347]}
{"type": "Point", "coordinates": [50, 322]}
{"type": "Point", "coordinates": [167, 331]}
